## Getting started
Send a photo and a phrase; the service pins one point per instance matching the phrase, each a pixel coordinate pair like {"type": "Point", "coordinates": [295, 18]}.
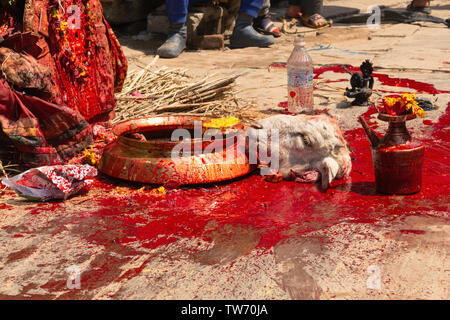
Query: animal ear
{"type": "Point", "coordinates": [328, 170]}
{"type": "Point", "coordinates": [256, 125]}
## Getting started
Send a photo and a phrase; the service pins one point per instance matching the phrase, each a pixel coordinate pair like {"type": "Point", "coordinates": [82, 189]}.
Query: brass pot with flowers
{"type": "Point", "coordinates": [397, 157]}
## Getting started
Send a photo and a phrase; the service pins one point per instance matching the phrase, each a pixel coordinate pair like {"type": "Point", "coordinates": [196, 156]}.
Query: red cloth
{"type": "Point", "coordinates": [76, 70]}
{"type": "Point", "coordinates": [42, 133]}
{"type": "Point", "coordinates": [51, 182]}
{"type": "Point", "coordinates": [86, 62]}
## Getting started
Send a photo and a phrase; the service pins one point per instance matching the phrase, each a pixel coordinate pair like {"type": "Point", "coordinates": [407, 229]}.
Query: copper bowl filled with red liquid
{"type": "Point", "coordinates": [151, 158]}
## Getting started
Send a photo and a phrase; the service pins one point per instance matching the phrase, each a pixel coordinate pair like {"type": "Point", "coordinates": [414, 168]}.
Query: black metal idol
{"type": "Point", "coordinates": [362, 84]}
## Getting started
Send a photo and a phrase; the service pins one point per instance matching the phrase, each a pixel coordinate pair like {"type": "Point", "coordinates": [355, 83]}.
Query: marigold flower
{"type": "Point", "coordinates": [404, 104]}
{"type": "Point", "coordinates": [221, 122]}
{"type": "Point", "coordinates": [90, 157]}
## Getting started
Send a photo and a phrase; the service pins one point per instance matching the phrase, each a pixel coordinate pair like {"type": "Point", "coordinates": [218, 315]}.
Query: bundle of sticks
{"type": "Point", "coordinates": [9, 168]}
{"type": "Point", "coordinates": [8, 158]}
{"type": "Point", "coordinates": [166, 91]}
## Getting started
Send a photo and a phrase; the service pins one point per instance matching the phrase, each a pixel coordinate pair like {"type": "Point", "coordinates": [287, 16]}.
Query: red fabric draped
{"type": "Point", "coordinates": [68, 76]}
{"type": "Point", "coordinates": [84, 55]}
{"type": "Point", "coordinates": [43, 133]}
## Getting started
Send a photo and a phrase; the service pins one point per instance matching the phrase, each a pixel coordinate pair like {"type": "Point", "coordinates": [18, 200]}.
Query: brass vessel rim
{"type": "Point", "coordinates": [387, 149]}
{"type": "Point", "coordinates": [149, 124]}
{"type": "Point", "coordinates": [402, 118]}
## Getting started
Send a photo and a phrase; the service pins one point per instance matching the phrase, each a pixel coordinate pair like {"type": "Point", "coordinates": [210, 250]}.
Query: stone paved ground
{"type": "Point", "coordinates": [38, 242]}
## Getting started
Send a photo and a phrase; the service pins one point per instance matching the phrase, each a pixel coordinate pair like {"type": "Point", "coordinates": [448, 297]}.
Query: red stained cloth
{"type": "Point", "coordinates": [42, 133]}
{"type": "Point", "coordinates": [51, 182]}
{"type": "Point", "coordinates": [69, 64]}
{"type": "Point", "coordinates": [79, 47]}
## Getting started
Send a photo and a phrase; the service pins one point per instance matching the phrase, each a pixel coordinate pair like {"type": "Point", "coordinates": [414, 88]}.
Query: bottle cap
{"type": "Point", "coordinates": [299, 40]}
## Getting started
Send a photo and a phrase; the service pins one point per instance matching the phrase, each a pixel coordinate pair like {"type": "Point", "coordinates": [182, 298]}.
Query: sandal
{"type": "Point", "coordinates": [264, 25]}
{"type": "Point", "coordinates": [425, 9]}
{"type": "Point", "coordinates": [311, 21]}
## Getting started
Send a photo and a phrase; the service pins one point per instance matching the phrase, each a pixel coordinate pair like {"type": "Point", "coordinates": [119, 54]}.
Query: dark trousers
{"type": "Point", "coordinates": [177, 10]}
{"type": "Point", "coordinates": [308, 7]}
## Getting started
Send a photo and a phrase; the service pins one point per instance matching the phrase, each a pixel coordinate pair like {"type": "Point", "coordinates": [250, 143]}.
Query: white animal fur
{"type": "Point", "coordinates": [306, 143]}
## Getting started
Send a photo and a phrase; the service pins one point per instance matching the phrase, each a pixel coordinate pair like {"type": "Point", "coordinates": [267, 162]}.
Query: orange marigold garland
{"type": "Point", "coordinates": [396, 105]}
{"type": "Point", "coordinates": [76, 45]}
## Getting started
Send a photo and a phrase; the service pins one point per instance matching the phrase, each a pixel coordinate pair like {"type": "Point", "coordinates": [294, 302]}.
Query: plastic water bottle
{"type": "Point", "coordinates": [300, 78]}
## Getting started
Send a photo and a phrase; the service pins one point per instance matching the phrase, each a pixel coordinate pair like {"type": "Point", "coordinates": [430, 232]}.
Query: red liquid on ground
{"type": "Point", "coordinates": [275, 211]}
{"type": "Point", "coordinates": [419, 87]}
{"type": "Point", "coordinates": [384, 79]}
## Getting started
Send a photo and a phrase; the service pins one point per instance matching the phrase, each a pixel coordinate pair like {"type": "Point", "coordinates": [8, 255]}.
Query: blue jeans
{"type": "Point", "coordinates": [177, 10]}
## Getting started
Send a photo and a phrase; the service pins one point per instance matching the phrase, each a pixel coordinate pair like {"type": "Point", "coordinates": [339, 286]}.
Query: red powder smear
{"type": "Point", "coordinates": [45, 207]}
{"type": "Point", "coordinates": [284, 105]}
{"type": "Point", "coordinates": [412, 231]}
{"type": "Point", "coordinates": [6, 206]}
{"type": "Point", "coordinates": [278, 65]}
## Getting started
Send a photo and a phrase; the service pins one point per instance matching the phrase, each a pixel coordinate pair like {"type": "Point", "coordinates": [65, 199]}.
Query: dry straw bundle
{"type": "Point", "coordinates": [9, 169]}
{"type": "Point", "coordinates": [163, 91]}
{"type": "Point", "coordinates": [8, 159]}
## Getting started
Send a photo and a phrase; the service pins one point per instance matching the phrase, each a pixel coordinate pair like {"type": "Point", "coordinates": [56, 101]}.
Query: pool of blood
{"type": "Point", "coordinates": [275, 211]}
{"type": "Point", "coordinates": [384, 79]}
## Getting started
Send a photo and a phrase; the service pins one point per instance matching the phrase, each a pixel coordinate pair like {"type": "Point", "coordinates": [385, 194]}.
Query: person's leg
{"type": "Point", "coordinates": [244, 35]}
{"type": "Point", "coordinates": [251, 7]}
{"type": "Point", "coordinates": [177, 11]}
{"type": "Point", "coordinates": [420, 6]}
{"type": "Point", "coordinates": [264, 9]}
{"type": "Point", "coordinates": [312, 13]}
{"type": "Point", "coordinates": [310, 7]}
{"type": "Point", "coordinates": [294, 10]}
{"type": "Point", "coordinates": [263, 23]}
